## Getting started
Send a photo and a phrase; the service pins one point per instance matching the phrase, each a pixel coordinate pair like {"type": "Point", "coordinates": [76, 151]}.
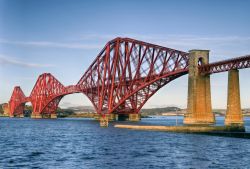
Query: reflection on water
{"type": "Point", "coordinates": [81, 143]}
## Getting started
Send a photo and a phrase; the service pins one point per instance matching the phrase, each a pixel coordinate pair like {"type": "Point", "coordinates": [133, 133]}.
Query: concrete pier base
{"type": "Point", "coordinates": [134, 117]}
{"type": "Point", "coordinates": [128, 117]}
{"type": "Point", "coordinates": [53, 116]}
{"type": "Point", "coordinates": [43, 116]}
{"type": "Point", "coordinates": [36, 116]}
{"type": "Point", "coordinates": [20, 116]}
{"type": "Point", "coordinates": [208, 119]}
{"type": "Point", "coordinates": [104, 122]}
{"type": "Point", "coordinates": [16, 116]}
{"type": "Point", "coordinates": [199, 107]}
{"type": "Point", "coordinates": [120, 117]}
{"type": "Point", "coordinates": [234, 114]}
{"type": "Point", "coordinates": [4, 115]}
{"type": "Point", "coordinates": [110, 117]}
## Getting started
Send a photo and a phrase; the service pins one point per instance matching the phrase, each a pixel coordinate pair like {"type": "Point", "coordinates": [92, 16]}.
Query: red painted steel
{"type": "Point", "coordinates": [124, 75]}
{"type": "Point", "coordinates": [127, 72]}
{"type": "Point", "coordinates": [17, 102]}
{"type": "Point", "coordinates": [226, 65]}
{"type": "Point", "coordinates": [46, 94]}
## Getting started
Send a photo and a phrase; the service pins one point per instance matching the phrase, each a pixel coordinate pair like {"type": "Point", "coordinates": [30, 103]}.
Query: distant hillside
{"type": "Point", "coordinates": [150, 111]}
{"type": "Point", "coordinates": [159, 111]}
{"type": "Point", "coordinates": [144, 111]}
{"type": "Point", "coordinates": [82, 108]}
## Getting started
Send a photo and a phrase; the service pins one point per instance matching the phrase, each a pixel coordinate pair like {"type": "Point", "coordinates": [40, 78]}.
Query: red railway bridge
{"type": "Point", "coordinates": [127, 72]}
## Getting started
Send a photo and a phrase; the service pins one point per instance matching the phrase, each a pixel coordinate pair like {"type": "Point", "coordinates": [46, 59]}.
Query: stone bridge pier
{"type": "Point", "coordinates": [234, 114]}
{"type": "Point", "coordinates": [37, 115]}
{"type": "Point", "coordinates": [199, 107]}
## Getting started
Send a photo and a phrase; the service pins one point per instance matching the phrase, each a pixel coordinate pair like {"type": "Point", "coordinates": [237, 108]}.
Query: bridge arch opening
{"type": "Point", "coordinates": [22, 110]}
{"type": "Point", "coordinates": [172, 98]}
{"type": "Point", "coordinates": [28, 108]}
{"type": "Point", "coordinates": [201, 61]}
{"type": "Point", "coordinates": [75, 105]}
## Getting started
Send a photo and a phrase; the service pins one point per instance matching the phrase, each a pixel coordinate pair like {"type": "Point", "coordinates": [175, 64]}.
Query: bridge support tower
{"type": "Point", "coordinates": [234, 114]}
{"type": "Point", "coordinates": [199, 107]}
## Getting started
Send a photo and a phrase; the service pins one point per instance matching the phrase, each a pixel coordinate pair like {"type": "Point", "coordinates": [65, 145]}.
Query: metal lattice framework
{"type": "Point", "coordinates": [128, 72]}
{"type": "Point", "coordinates": [124, 75]}
{"type": "Point", "coordinates": [226, 65]}
{"type": "Point", "coordinates": [46, 94]}
{"type": "Point", "coordinates": [17, 102]}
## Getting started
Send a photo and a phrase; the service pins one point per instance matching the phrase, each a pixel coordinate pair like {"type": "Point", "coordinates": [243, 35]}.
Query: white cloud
{"type": "Point", "coordinates": [162, 37]}
{"type": "Point", "coordinates": [52, 44]}
{"type": "Point", "coordinates": [11, 61]}
{"type": "Point", "coordinates": [67, 104]}
{"type": "Point", "coordinates": [220, 46]}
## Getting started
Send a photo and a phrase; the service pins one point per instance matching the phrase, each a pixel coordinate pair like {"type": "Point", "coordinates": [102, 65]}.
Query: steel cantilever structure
{"type": "Point", "coordinates": [127, 72]}
{"type": "Point", "coordinates": [124, 75]}
{"type": "Point", "coordinates": [17, 102]}
{"type": "Point", "coordinates": [46, 94]}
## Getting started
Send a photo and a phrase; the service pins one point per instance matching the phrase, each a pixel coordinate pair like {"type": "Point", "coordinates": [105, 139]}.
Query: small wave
{"type": "Point", "coordinates": [88, 158]}
{"type": "Point", "coordinates": [34, 154]}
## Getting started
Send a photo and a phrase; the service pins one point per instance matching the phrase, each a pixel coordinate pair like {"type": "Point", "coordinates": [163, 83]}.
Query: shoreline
{"type": "Point", "coordinates": [143, 116]}
{"type": "Point", "coordinates": [226, 131]}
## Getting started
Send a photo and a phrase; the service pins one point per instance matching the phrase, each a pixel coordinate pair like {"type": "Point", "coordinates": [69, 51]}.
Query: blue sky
{"type": "Point", "coordinates": [63, 37]}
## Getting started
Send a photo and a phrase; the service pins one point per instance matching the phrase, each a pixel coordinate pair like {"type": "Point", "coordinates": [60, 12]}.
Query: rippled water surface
{"type": "Point", "coordinates": [81, 143]}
